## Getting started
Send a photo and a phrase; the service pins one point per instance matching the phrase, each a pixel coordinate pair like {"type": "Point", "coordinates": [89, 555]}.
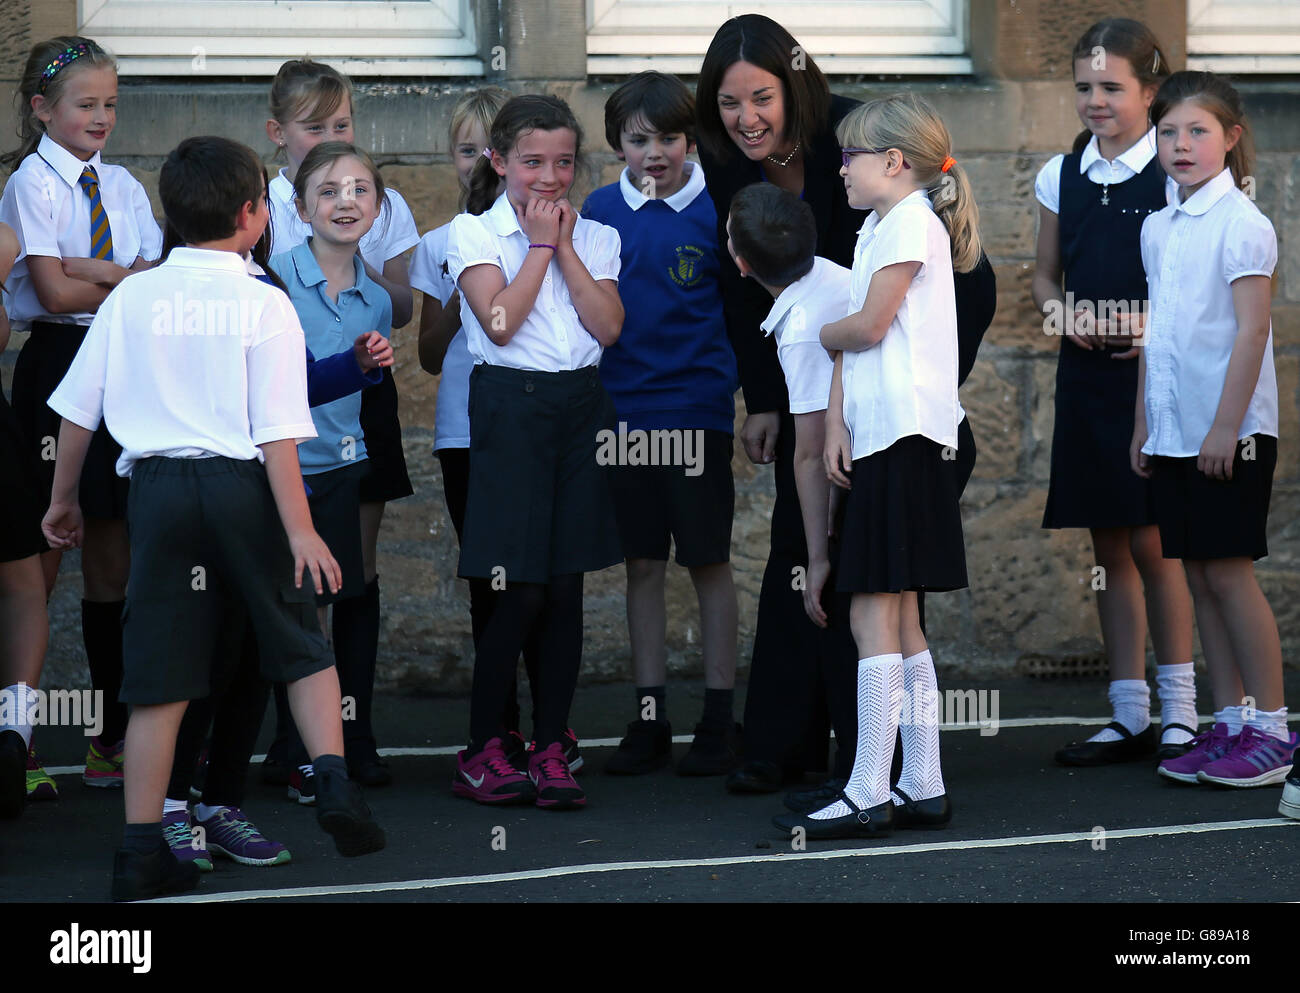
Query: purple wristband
{"type": "Point", "coordinates": [542, 244]}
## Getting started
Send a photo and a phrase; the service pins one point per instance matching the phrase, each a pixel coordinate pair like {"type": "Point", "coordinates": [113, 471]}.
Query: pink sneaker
{"type": "Point", "coordinates": [488, 777]}
{"type": "Point", "coordinates": [1205, 748]}
{"type": "Point", "coordinates": [104, 764]}
{"type": "Point", "coordinates": [1257, 759]}
{"type": "Point", "coordinates": [556, 788]}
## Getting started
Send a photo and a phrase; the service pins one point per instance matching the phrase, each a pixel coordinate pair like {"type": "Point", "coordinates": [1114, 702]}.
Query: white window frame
{"type": "Point", "coordinates": [1243, 36]}
{"type": "Point", "coordinates": [915, 37]}
{"type": "Point", "coordinates": [253, 37]}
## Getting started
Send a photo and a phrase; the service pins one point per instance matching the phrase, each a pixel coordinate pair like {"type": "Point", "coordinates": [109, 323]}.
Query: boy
{"type": "Point", "coordinates": [672, 376]}
{"type": "Point", "coordinates": [208, 405]}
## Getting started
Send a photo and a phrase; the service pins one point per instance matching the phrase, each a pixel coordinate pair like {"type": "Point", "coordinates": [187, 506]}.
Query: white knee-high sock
{"type": "Point", "coordinates": [922, 777]}
{"type": "Point", "coordinates": [880, 695]}
{"type": "Point", "coordinates": [1176, 685]}
{"type": "Point", "coordinates": [1130, 701]}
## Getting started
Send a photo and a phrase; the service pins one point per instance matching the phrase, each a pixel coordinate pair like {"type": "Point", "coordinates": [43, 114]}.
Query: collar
{"type": "Point", "coordinates": [207, 258]}
{"type": "Point", "coordinates": [874, 220]}
{"type": "Point", "coordinates": [308, 272]}
{"type": "Point", "coordinates": [1136, 156]}
{"type": "Point", "coordinates": [63, 162]}
{"type": "Point", "coordinates": [501, 215]}
{"type": "Point", "coordinates": [281, 188]}
{"type": "Point", "coordinates": [793, 295]}
{"type": "Point", "coordinates": [679, 201]}
{"type": "Point", "coordinates": [1208, 195]}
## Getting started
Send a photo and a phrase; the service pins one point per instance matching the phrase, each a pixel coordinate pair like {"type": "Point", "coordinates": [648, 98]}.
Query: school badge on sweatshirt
{"type": "Point", "coordinates": [687, 271]}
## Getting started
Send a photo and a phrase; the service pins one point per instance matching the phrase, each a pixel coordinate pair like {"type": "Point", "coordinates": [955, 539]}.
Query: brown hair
{"type": "Point", "coordinates": [531, 112]}
{"type": "Point", "coordinates": [30, 128]}
{"type": "Point", "coordinates": [323, 156]}
{"type": "Point", "coordinates": [1218, 96]}
{"type": "Point", "coordinates": [1132, 41]}
{"type": "Point", "coordinates": [307, 90]}
{"type": "Point", "coordinates": [662, 100]}
{"type": "Point", "coordinates": [774, 232]}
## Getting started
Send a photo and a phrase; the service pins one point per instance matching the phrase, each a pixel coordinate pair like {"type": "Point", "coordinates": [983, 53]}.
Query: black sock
{"type": "Point", "coordinates": [559, 658]}
{"type": "Point", "coordinates": [717, 709]}
{"type": "Point", "coordinates": [101, 631]}
{"type": "Point", "coordinates": [514, 613]}
{"type": "Point", "coordinates": [356, 643]}
{"type": "Point", "coordinates": [143, 839]}
{"type": "Point", "coordinates": [333, 764]}
{"type": "Point", "coordinates": [657, 698]}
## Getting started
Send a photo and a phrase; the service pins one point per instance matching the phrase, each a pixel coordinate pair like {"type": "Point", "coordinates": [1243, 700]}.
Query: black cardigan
{"type": "Point", "coordinates": [746, 304]}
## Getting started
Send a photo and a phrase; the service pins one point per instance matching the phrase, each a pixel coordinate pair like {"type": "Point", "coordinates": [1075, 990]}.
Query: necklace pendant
{"type": "Point", "coordinates": [1105, 195]}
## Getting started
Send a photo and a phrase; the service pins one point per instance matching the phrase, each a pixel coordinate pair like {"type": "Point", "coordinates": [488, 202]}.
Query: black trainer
{"type": "Point", "coordinates": [714, 752]}
{"type": "Point", "coordinates": [342, 812]}
{"type": "Point", "coordinates": [143, 877]}
{"type": "Point", "coordinates": [806, 801]}
{"type": "Point", "coordinates": [13, 773]}
{"type": "Point", "coordinates": [368, 769]}
{"type": "Point", "coordinates": [647, 746]}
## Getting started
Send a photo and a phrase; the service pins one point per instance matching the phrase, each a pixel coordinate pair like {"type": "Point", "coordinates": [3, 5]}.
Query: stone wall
{"type": "Point", "coordinates": [1030, 590]}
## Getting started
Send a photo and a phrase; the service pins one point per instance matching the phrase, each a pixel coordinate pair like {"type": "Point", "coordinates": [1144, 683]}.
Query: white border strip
{"type": "Point", "coordinates": [553, 872]}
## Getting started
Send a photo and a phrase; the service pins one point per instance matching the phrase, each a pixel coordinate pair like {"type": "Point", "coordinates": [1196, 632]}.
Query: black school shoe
{"type": "Point", "coordinates": [933, 813]}
{"type": "Point", "coordinates": [1130, 747]}
{"type": "Point", "coordinates": [873, 822]}
{"type": "Point", "coordinates": [714, 752]}
{"type": "Point", "coordinates": [1170, 750]}
{"type": "Point", "coordinates": [369, 769]}
{"type": "Point", "coordinates": [13, 774]}
{"type": "Point", "coordinates": [756, 777]}
{"type": "Point", "coordinates": [341, 812]}
{"type": "Point", "coordinates": [647, 746]}
{"type": "Point", "coordinates": [143, 877]}
{"type": "Point", "coordinates": [806, 801]}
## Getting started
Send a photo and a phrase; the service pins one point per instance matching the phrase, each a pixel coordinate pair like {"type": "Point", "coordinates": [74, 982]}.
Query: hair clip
{"type": "Point", "coordinates": [64, 58]}
{"type": "Point", "coordinates": [487, 153]}
{"type": "Point", "coordinates": [948, 163]}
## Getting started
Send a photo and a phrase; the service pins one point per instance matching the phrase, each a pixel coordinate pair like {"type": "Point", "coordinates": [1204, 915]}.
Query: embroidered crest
{"type": "Point", "coordinates": [687, 271]}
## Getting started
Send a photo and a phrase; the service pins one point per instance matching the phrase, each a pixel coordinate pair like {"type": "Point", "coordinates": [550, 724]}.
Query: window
{"type": "Point", "coordinates": [1243, 36]}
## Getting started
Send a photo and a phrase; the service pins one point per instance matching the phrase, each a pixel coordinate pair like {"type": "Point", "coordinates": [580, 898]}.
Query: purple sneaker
{"type": "Point", "coordinates": [183, 842]}
{"type": "Point", "coordinates": [488, 777]}
{"type": "Point", "coordinates": [233, 835]}
{"type": "Point", "coordinates": [1205, 748]}
{"type": "Point", "coordinates": [1258, 759]}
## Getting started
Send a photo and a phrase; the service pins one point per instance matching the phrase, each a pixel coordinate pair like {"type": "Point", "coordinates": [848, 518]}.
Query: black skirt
{"type": "Point", "coordinates": [387, 478]}
{"type": "Point", "coordinates": [21, 508]}
{"type": "Point", "coordinates": [1092, 484]}
{"type": "Point", "coordinates": [902, 521]}
{"type": "Point", "coordinates": [41, 366]}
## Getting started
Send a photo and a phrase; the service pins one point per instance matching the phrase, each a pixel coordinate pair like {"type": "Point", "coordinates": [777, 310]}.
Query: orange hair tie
{"type": "Point", "coordinates": [948, 163]}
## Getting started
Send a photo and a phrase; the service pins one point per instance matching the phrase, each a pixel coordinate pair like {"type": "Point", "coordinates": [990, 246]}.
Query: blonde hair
{"type": "Point", "coordinates": [479, 107]}
{"type": "Point", "coordinates": [309, 91]}
{"type": "Point", "coordinates": [912, 126]}
{"type": "Point", "coordinates": [35, 81]}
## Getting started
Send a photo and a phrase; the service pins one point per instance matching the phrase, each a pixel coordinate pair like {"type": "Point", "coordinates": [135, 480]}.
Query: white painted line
{"type": "Point", "coordinates": [397, 886]}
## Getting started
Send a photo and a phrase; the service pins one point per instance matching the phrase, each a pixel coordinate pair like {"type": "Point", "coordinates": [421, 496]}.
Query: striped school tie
{"type": "Point", "coordinates": [101, 238]}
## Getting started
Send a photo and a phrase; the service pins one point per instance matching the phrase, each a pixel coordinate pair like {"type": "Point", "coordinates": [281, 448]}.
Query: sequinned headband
{"type": "Point", "coordinates": [64, 58]}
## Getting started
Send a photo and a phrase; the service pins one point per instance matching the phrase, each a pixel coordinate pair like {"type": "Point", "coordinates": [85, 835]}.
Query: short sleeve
{"type": "Point", "coordinates": [1249, 247]}
{"type": "Point", "coordinates": [429, 266]}
{"type": "Point", "coordinates": [400, 232]}
{"type": "Point", "coordinates": [29, 206]}
{"type": "Point", "coordinates": [469, 243]}
{"type": "Point", "coordinates": [151, 236]}
{"type": "Point", "coordinates": [808, 370]}
{"type": "Point", "coordinates": [905, 240]}
{"type": "Point", "coordinates": [277, 375]}
{"type": "Point", "coordinates": [80, 396]}
{"type": "Point", "coordinates": [1047, 184]}
{"type": "Point", "coordinates": [604, 247]}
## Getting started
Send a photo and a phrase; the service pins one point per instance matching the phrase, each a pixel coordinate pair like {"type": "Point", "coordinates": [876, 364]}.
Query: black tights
{"type": "Point", "coordinates": [552, 613]}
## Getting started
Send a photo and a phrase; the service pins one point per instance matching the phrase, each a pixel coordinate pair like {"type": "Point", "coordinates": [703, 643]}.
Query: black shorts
{"type": "Point", "coordinates": [539, 503]}
{"type": "Point", "coordinates": [386, 477]}
{"type": "Point", "coordinates": [335, 503]}
{"type": "Point", "coordinates": [902, 521]}
{"type": "Point", "coordinates": [21, 508]}
{"type": "Point", "coordinates": [41, 366]}
{"type": "Point", "coordinates": [690, 505]}
{"type": "Point", "coordinates": [1202, 518]}
{"type": "Point", "coordinates": [206, 544]}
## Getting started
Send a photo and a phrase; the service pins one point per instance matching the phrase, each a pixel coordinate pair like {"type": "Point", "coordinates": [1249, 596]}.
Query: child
{"type": "Point", "coordinates": [83, 226]}
{"type": "Point", "coordinates": [892, 413]}
{"type": "Point", "coordinates": [211, 526]}
{"type": "Point", "coordinates": [311, 102]}
{"type": "Point", "coordinates": [1092, 205]}
{"type": "Point", "coordinates": [1205, 426]}
{"type": "Point", "coordinates": [673, 371]}
{"type": "Point", "coordinates": [443, 351]}
{"type": "Point", "coordinates": [338, 190]}
{"type": "Point", "coordinates": [539, 304]}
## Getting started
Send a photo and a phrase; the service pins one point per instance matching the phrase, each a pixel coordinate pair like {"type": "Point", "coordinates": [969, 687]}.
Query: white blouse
{"type": "Point", "coordinates": [1130, 162]}
{"type": "Point", "coordinates": [797, 317]}
{"type": "Point", "coordinates": [451, 414]}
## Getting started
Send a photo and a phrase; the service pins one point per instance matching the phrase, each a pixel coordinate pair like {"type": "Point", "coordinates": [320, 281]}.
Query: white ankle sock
{"type": "Point", "coordinates": [18, 699]}
{"type": "Point", "coordinates": [1130, 702]}
{"type": "Point", "coordinates": [171, 806]}
{"type": "Point", "coordinates": [1271, 722]}
{"type": "Point", "coordinates": [880, 695]}
{"type": "Point", "coordinates": [1176, 685]}
{"type": "Point", "coordinates": [922, 777]}
{"type": "Point", "coordinates": [1232, 717]}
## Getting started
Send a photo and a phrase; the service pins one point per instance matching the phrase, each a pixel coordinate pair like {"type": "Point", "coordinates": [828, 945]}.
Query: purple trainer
{"type": "Point", "coordinates": [1203, 749]}
{"type": "Point", "coordinates": [183, 842]}
{"type": "Point", "coordinates": [488, 777]}
{"type": "Point", "coordinates": [233, 835]}
{"type": "Point", "coordinates": [1258, 759]}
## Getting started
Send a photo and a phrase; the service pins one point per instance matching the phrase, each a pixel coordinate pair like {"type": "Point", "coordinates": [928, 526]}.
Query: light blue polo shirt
{"type": "Point", "coordinates": [331, 326]}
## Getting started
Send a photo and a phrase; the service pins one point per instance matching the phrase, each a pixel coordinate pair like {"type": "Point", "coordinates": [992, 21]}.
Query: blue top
{"type": "Point", "coordinates": [672, 366]}
{"type": "Point", "coordinates": [330, 327]}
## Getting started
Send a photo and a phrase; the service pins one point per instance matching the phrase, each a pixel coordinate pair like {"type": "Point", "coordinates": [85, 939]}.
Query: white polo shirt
{"type": "Point", "coordinates": [1192, 252]}
{"type": "Point", "coordinates": [551, 338]}
{"type": "Point", "coordinates": [907, 383]}
{"type": "Point", "coordinates": [1130, 162]}
{"type": "Point", "coordinates": [393, 232]}
{"type": "Point", "coordinates": [191, 359]}
{"type": "Point", "coordinates": [796, 319]}
{"type": "Point", "coordinates": [429, 275]}
{"type": "Point", "coordinates": [45, 205]}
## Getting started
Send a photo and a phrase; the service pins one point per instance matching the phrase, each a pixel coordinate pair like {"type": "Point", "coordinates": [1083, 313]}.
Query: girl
{"type": "Point", "coordinates": [83, 226]}
{"type": "Point", "coordinates": [310, 102]}
{"type": "Point", "coordinates": [444, 351]}
{"type": "Point", "coordinates": [540, 285]}
{"type": "Point", "coordinates": [1205, 426]}
{"type": "Point", "coordinates": [338, 190]}
{"type": "Point", "coordinates": [893, 410]}
{"type": "Point", "coordinates": [1092, 205]}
